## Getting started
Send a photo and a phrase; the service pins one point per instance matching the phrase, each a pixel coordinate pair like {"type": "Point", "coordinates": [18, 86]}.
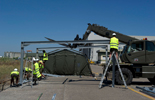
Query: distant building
{"type": "Point", "coordinates": [18, 54]}
{"type": "Point", "coordinates": [13, 54]}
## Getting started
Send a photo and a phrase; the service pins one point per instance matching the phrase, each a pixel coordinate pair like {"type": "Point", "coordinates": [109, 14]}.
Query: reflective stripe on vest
{"type": "Point", "coordinates": [14, 72]}
{"type": "Point", "coordinates": [114, 43]}
{"type": "Point", "coordinates": [36, 71]}
{"type": "Point", "coordinates": [45, 56]}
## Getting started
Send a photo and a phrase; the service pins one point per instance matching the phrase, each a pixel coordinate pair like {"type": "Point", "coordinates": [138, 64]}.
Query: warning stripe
{"type": "Point", "coordinates": [142, 94]}
{"type": "Point", "coordinates": [95, 73]}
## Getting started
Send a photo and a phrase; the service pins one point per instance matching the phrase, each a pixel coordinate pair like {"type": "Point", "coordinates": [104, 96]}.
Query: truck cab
{"type": "Point", "coordinates": [139, 52]}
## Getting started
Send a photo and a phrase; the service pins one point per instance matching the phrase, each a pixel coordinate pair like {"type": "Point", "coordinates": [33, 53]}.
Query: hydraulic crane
{"type": "Point", "coordinates": [138, 55]}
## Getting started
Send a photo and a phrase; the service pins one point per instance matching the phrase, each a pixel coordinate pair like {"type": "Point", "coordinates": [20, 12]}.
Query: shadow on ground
{"type": "Point", "coordinates": [140, 83]}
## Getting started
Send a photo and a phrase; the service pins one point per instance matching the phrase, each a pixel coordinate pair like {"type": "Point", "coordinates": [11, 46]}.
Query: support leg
{"type": "Point", "coordinates": [100, 85]}
{"type": "Point", "coordinates": [121, 73]}
{"type": "Point", "coordinates": [113, 71]}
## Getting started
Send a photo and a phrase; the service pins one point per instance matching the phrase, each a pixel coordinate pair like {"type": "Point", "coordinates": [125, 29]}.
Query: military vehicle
{"type": "Point", "coordinates": [138, 55]}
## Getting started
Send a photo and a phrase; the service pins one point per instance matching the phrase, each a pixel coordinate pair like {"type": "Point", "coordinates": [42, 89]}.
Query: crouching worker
{"type": "Point", "coordinates": [41, 68]}
{"type": "Point", "coordinates": [36, 73]}
{"type": "Point", "coordinates": [14, 75]}
{"type": "Point", "coordinates": [27, 72]}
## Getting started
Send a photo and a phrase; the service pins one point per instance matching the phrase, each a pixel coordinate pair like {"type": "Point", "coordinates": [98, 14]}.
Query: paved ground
{"type": "Point", "coordinates": [75, 88]}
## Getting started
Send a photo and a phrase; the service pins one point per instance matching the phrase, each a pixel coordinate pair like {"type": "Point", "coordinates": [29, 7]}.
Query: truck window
{"type": "Point", "coordinates": [150, 46]}
{"type": "Point", "coordinates": [124, 49]}
{"type": "Point", "coordinates": [136, 47]}
{"type": "Point", "coordinates": [129, 49]}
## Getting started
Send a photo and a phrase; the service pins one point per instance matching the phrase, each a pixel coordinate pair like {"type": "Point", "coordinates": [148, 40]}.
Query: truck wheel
{"type": "Point", "coordinates": [127, 76]}
{"type": "Point", "coordinates": [152, 80]}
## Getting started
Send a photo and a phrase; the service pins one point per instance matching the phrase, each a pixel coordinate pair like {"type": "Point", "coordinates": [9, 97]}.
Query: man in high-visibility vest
{"type": "Point", "coordinates": [41, 67]}
{"type": "Point", "coordinates": [114, 42]}
{"type": "Point", "coordinates": [45, 57]}
{"type": "Point", "coordinates": [27, 72]}
{"type": "Point", "coordinates": [14, 74]}
{"type": "Point", "coordinates": [36, 73]}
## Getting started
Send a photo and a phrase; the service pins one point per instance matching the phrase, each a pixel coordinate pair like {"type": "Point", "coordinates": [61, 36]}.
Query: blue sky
{"type": "Point", "coordinates": [32, 20]}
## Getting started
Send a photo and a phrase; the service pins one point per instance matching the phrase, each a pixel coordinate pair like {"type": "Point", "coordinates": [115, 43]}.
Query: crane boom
{"type": "Point", "coordinates": [104, 32]}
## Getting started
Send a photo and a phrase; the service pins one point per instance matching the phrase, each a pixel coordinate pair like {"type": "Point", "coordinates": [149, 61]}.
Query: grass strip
{"type": "Point", "coordinates": [40, 96]}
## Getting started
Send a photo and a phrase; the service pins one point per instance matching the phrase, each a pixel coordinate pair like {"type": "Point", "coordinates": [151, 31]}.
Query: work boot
{"type": "Point", "coordinates": [35, 83]}
{"type": "Point", "coordinates": [17, 85]}
{"type": "Point", "coordinates": [39, 78]}
{"type": "Point", "coordinates": [43, 78]}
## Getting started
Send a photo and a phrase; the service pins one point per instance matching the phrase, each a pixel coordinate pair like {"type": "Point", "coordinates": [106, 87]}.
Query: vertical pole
{"type": "Point", "coordinates": [88, 54]}
{"type": "Point", "coordinates": [37, 56]}
{"type": "Point", "coordinates": [21, 63]}
{"type": "Point", "coordinates": [106, 54]}
{"type": "Point", "coordinates": [32, 74]}
{"type": "Point", "coordinates": [106, 60]}
{"type": "Point", "coordinates": [82, 51]}
{"type": "Point", "coordinates": [113, 69]}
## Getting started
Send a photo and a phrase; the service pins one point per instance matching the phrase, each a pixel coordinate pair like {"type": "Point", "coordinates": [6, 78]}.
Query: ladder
{"type": "Point", "coordinates": [30, 81]}
{"type": "Point", "coordinates": [113, 56]}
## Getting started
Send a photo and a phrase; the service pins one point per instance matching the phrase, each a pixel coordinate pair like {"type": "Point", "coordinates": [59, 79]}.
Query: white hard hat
{"type": "Point", "coordinates": [113, 33]}
{"type": "Point", "coordinates": [37, 59]}
{"type": "Point", "coordinates": [15, 69]}
{"type": "Point", "coordinates": [33, 59]}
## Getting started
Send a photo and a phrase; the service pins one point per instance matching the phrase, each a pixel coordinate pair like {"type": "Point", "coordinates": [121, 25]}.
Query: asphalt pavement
{"type": "Point", "coordinates": [76, 88]}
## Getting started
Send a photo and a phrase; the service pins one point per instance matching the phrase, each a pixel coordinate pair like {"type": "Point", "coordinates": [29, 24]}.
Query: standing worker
{"type": "Point", "coordinates": [14, 74]}
{"type": "Point", "coordinates": [114, 42]}
{"type": "Point", "coordinates": [45, 57]}
{"type": "Point", "coordinates": [41, 67]}
{"type": "Point", "coordinates": [36, 73]}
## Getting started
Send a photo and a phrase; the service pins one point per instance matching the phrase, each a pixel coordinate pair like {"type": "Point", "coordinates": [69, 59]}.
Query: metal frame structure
{"type": "Point", "coordinates": [79, 47]}
{"type": "Point", "coordinates": [26, 43]}
{"type": "Point", "coordinates": [31, 80]}
{"type": "Point", "coordinates": [147, 90]}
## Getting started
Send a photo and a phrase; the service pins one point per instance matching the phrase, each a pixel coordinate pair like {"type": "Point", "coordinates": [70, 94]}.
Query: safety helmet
{"type": "Point", "coordinates": [33, 59]}
{"type": "Point", "coordinates": [113, 34]}
{"type": "Point", "coordinates": [37, 59]}
{"type": "Point", "coordinates": [15, 69]}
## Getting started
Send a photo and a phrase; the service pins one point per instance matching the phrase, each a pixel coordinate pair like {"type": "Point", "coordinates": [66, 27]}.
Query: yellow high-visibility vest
{"type": "Point", "coordinates": [28, 69]}
{"type": "Point", "coordinates": [45, 56]}
{"type": "Point", "coordinates": [114, 43]}
{"type": "Point", "coordinates": [40, 64]}
{"type": "Point", "coordinates": [36, 71]}
{"type": "Point", "coordinates": [14, 72]}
